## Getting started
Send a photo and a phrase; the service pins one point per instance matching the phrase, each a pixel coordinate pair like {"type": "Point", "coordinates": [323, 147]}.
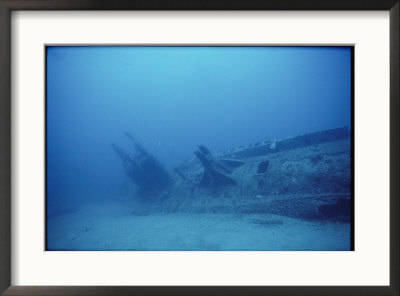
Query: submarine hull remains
{"type": "Point", "coordinates": [308, 177]}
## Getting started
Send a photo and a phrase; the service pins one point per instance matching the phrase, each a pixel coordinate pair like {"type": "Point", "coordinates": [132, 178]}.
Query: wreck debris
{"type": "Point", "coordinates": [262, 167]}
{"type": "Point", "coordinates": [297, 142]}
{"type": "Point", "coordinates": [143, 169]}
{"type": "Point", "coordinates": [216, 171]}
{"type": "Point", "coordinates": [180, 174]}
{"type": "Point", "coordinates": [306, 177]}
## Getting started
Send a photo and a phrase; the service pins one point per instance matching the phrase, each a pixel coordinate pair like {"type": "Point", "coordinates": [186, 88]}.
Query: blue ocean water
{"type": "Point", "coordinates": [172, 99]}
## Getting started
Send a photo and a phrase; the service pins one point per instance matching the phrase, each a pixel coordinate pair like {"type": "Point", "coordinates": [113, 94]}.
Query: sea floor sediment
{"type": "Point", "coordinates": [116, 226]}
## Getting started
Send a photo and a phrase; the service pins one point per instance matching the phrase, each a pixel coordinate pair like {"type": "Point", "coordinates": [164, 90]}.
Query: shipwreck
{"type": "Point", "coordinates": [308, 176]}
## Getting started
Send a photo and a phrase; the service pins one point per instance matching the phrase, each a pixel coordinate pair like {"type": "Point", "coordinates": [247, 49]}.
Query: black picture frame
{"type": "Point", "coordinates": [6, 7]}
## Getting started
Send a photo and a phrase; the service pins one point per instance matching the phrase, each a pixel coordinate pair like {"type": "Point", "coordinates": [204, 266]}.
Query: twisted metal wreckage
{"type": "Point", "coordinates": [308, 176]}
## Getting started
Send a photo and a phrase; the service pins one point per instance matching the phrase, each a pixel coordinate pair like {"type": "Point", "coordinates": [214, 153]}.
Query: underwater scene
{"type": "Point", "coordinates": [199, 148]}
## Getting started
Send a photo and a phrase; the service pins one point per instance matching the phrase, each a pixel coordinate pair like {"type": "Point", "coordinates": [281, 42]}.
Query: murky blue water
{"type": "Point", "coordinates": [171, 99]}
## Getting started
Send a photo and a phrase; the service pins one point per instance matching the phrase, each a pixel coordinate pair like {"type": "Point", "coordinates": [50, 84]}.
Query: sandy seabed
{"type": "Point", "coordinates": [113, 226]}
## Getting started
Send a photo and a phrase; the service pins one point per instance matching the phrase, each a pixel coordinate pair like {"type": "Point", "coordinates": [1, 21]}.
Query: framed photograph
{"type": "Point", "coordinates": [170, 194]}
{"type": "Point", "coordinates": [199, 148]}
